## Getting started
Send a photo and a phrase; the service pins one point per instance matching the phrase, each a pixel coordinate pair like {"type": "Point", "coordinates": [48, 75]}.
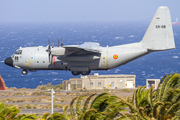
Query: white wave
{"type": "Point", "coordinates": [54, 73]}
{"type": "Point", "coordinates": [119, 38]}
{"type": "Point", "coordinates": [2, 61]}
{"type": "Point", "coordinates": [152, 74]}
{"type": "Point", "coordinates": [131, 36]}
{"type": "Point", "coordinates": [55, 79]}
{"type": "Point", "coordinates": [175, 57]}
{"type": "Point", "coordinates": [116, 70]}
{"type": "Point", "coordinates": [143, 72]}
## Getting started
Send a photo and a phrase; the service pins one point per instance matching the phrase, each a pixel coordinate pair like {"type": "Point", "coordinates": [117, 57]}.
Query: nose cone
{"type": "Point", "coordinates": [9, 61]}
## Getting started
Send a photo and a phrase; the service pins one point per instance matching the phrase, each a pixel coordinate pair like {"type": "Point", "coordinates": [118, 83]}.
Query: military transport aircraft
{"type": "Point", "coordinates": [81, 59]}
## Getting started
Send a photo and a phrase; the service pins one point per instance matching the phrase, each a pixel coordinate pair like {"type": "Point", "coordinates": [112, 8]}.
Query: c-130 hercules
{"type": "Point", "coordinates": [81, 59]}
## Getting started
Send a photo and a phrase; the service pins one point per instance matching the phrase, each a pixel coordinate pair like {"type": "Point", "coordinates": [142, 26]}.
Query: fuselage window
{"type": "Point", "coordinates": [43, 61]}
{"type": "Point", "coordinates": [37, 61]}
{"type": "Point", "coordinates": [16, 59]}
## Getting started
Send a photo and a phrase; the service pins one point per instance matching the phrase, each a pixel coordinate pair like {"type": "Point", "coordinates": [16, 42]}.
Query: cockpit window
{"type": "Point", "coordinates": [18, 52]}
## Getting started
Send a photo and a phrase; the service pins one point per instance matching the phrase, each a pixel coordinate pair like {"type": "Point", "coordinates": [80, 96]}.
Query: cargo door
{"type": "Point", "coordinates": [31, 63]}
{"type": "Point", "coordinates": [103, 62]}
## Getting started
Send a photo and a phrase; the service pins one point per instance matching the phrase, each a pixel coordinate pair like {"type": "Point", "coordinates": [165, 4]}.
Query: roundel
{"type": "Point", "coordinates": [115, 56]}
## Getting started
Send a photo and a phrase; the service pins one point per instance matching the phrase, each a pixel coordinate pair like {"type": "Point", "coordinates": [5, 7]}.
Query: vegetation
{"type": "Point", "coordinates": [145, 104]}
{"type": "Point", "coordinates": [49, 86]}
{"type": "Point", "coordinates": [11, 113]}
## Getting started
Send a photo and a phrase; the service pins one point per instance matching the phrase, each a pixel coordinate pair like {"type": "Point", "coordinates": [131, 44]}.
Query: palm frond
{"type": "Point", "coordinates": [78, 105]}
{"type": "Point", "coordinates": [155, 109]}
{"type": "Point", "coordinates": [87, 115]}
{"type": "Point", "coordinates": [97, 98]}
{"type": "Point", "coordinates": [162, 87]}
{"type": "Point", "coordinates": [87, 102]}
{"type": "Point", "coordinates": [66, 117]}
{"type": "Point", "coordinates": [150, 97]}
{"type": "Point", "coordinates": [173, 109]}
{"type": "Point", "coordinates": [72, 113]}
{"type": "Point", "coordinates": [137, 97]}
{"type": "Point", "coordinates": [46, 115]}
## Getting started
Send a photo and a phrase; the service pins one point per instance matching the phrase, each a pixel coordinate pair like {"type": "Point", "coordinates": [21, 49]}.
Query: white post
{"type": "Point", "coordinates": [52, 95]}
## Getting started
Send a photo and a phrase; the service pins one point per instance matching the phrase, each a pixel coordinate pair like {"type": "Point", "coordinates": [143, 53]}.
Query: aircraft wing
{"type": "Point", "coordinates": [87, 47]}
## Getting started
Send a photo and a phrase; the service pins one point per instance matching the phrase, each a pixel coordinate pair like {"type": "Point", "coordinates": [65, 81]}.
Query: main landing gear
{"type": "Point", "coordinates": [24, 71]}
{"type": "Point", "coordinates": [82, 73]}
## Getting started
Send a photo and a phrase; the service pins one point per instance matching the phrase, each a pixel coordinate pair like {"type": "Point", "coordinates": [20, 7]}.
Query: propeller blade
{"type": "Point", "coordinates": [49, 57]}
{"type": "Point", "coordinates": [52, 44]}
{"type": "Point", "coordinates": [58, 42]}
{"type": "Point", "coordinates": [49, 50]}
{"type": "Point", "coordinates": [61, 42]}
{"type": "Point", "coordinates": [49, 45]}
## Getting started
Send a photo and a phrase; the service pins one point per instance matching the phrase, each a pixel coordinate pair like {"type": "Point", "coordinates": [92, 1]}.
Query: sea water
{"type": "Point", "coordinates": [15, 35]}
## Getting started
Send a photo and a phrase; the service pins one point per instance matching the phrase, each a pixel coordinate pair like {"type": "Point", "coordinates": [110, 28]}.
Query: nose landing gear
{"type": "Point", "coordinates": [24, 71]}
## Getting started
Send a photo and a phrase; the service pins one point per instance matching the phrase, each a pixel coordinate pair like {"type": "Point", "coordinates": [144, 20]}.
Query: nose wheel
{"type": "Point", "coordinates": [24, 71]}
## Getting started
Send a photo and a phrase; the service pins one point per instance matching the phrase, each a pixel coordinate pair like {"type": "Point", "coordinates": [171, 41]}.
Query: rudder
{"type": "Point", "coordinates": [159, 35]}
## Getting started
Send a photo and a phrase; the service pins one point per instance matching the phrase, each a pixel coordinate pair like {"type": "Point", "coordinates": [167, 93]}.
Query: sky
{"type": "Point", "coordinates": [83, 10]}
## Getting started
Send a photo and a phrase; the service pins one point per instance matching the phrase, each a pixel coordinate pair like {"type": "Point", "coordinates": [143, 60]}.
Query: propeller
{"type": "Point", "coordinates": [49, 50]}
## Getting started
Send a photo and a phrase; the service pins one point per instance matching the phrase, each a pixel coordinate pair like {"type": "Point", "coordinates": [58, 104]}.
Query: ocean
{"type": "Point", "coordinates": [14, 35]}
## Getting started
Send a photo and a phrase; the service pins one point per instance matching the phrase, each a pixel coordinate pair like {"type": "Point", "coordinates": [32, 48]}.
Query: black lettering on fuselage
{"type": "Point", "coordinates": [160, 26]}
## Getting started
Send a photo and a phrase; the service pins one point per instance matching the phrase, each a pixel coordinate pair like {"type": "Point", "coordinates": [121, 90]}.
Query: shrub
{"type": "Point", "coordinates": [28, 106]}
{"type": "Point", "coordinates": [126, 90]}
{"type": "Point", "coordinates": [18, 94]}
{"type": "Point", "coordinates": [38, 93]}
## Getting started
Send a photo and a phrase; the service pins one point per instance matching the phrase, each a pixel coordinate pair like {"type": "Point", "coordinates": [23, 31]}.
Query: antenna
{"type": "Point", "coordinates": [61, 42]}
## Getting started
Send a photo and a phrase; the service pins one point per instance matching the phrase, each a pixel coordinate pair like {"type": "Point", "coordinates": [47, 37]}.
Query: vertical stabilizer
{"type": "Point", "coordinates": [159, 35]}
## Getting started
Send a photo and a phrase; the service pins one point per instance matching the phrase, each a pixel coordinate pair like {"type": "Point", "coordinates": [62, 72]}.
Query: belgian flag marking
{"type": "Point", "coordinates": [115, 56]}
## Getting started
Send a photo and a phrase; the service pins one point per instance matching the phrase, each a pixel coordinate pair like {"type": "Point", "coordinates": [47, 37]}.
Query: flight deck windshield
{"type": "Point", "coordinates": [18, 52]}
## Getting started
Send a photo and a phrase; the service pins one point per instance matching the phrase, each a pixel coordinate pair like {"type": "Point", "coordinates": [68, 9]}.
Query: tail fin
{"type": "Point", "coordinates": [159, 35]}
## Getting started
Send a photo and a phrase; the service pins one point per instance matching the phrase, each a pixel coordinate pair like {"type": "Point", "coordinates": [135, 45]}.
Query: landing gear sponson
{"type": "Point", "coordinates": [82, 73]}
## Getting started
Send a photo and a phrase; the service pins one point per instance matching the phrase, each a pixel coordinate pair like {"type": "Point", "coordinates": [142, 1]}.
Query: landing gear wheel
{"type": "Point", "coordinates": [24, 71]}
{"type": "Point", "coordinates": [75, 73]}
{"type": "Point", "coordinates": [85, 72]}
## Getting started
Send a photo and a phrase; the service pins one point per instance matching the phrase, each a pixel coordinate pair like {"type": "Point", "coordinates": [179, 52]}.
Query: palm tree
{"type": "Point", "coordinates": [8, 113]}
{"type": "Point", "coordinates": [104, 106]}
{"type": "Point", "coordinates": [162, 103]}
